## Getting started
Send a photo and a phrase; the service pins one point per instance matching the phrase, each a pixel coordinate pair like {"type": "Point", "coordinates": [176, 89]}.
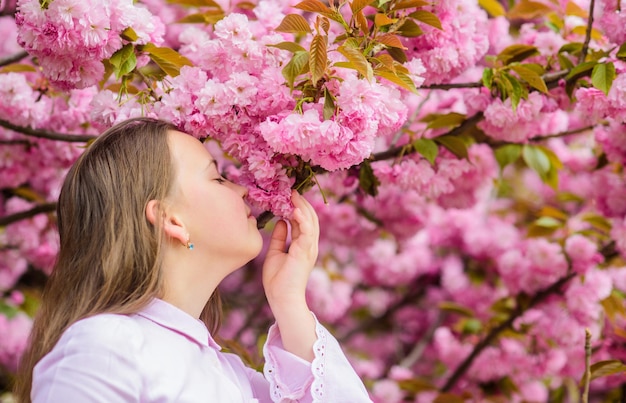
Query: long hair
{"type": "Point", "coordinates": [110, 254]}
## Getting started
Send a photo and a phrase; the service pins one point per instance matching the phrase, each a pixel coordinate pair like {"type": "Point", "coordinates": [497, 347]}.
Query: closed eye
{"type": "Point", "coordinates": [220, 180]}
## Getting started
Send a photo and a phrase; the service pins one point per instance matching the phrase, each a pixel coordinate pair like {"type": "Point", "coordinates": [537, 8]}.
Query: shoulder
{"type": "Point", "coordinates": [103, 331]}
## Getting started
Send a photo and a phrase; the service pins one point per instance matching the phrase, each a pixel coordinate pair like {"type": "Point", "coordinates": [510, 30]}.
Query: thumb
{"type": "Point", "coordinates": [278, 242]}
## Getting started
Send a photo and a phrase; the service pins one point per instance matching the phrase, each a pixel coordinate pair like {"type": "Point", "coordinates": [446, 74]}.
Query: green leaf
{"type": "Point", "coordinates": [527, 9]}
{"type": "Point", "coordinates": [427, 18]}
{"type": "Point", "coordinates": [565, 62]}
{"type": "Point", "coordinates": [515, 90]}
{"type": "Point", "coordinates": [532, 78]}
{"type": "Point", "coordinates": [357, 60]}
{"type": "Point", "coordinates": [124, 60]}
{"type": "Point", "coordinates": [554, 159]}
{"type": "Point", "coordinates": [602, 76]}
{"type": "Point", "coordinates": [536, 159]}
{"type": "Point", "coordinates": [404, 4]}
{"type": "Point", "coordinates": [493, 7]}
{"type": "Point", "coordinates": [507, 154]}
{"type": "Point", "coordinates": [290, 46]}
{"type": "Point", "coordinates": [409, 29]}
{"type": "Point", "coordinates": [17, 68]}
{"type": "Point", "coordinates": [597, 221]}
{"type": "Point", "coordinates": [207, 17]}
{"type": "Point", "coordinates": [313, 6]}
{"type": "Point", "coordinates": [294, 23]}
{"type": "Point", "coordinates": [359, 5]}
{"type": "Point", "coordinates": [453, 307]}
{"type": "Point", "coordinates": [605, 368]}
{"type": "Point", "coordinates": [573, 48]}
{"type": "Point", "coordinates": [8, 310]}
{"type": "Point", "coordinates": [455, 144]}
{"type": "Point", "coordinates": [329, 105]}
{"type": "Point", "coordinates": [398, 78]}
{"type": "Point", "coordinates": [447, 120]}
{"type": "Point", "coordinates": [368, 182]}
{"type": "Point", "coordinates": [390, 40]}
{"type": "Point", "coordinates": [398, 55]}
{"type": "Point", "coordinates": [427, 148]}
{"type": "Point", "coordinates": [169, 60]}
{"type": "Point", "coordinates": [583, 69]}
{"type": "Point", "coordinates": [129, 34]}
{"type": "Point", "coordinates": [621, 52]}
{"type": "Point", "coordinates": [318, 58]}
{"type": "Point", "coordinates": [295, 67]}
{"type": "Point", "coordinates": [488, 77]}
{"type": "Point", "coordinates": [517, 53]}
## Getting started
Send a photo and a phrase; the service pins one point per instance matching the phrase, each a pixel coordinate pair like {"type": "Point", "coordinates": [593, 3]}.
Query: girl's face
{"type": "Point", "coordinates": [212, 209]}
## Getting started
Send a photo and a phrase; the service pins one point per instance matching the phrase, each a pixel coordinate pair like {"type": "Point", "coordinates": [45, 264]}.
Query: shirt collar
{"type": "Point", "coordinates": [167, 315]}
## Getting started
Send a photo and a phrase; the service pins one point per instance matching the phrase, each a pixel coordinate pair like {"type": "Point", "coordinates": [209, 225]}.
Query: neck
{"type": "Point", "coordinates": [189, 281]}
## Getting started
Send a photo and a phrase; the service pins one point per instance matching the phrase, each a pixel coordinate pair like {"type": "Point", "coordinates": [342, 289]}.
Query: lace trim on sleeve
{"type": "Point", "coordinates": [319, 363]}
{"type": "Point", "coordinates": [275, 391]}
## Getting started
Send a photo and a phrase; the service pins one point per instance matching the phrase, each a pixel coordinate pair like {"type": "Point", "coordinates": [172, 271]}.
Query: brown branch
{"type": "Point", "coordinates": [396, 151]}
{"type": "Point", "coordinates": [495, 332]}
{"type": "Point", "coordinates": [16, 143]}
{"type": "Point", "coordinates": [12, 59]}
{"type": "Point", "coordinates": [583, 53]}
{"type": "Point", "coordinates": [72, 138]}
{"type": "Point", "coordinates": [451, 86]}
{"type": "Point", "coordinates": [587, 377]}
{"type": "Point", "coordinates": [148, 84]}
{"type": "Point", "coordinates": [562, 134]}
{"type": "Point", "coordinates": [406, 299]}
{"type": "Point", "coordinates": [22, 215]}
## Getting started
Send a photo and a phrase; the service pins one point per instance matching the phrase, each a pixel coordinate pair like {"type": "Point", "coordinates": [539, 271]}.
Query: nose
{"type": "Point", "coordinates": [242, 190]}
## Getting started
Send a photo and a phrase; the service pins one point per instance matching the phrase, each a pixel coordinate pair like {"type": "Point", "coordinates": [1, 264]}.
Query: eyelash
{"type": "Point", "coordinates": [220, 180]}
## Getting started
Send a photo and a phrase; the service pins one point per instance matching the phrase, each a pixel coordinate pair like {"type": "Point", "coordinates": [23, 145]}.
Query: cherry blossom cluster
{"type": "Point", "coordinates": [432, 233]}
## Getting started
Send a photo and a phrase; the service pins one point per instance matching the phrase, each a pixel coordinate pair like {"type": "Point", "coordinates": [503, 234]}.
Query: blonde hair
{"type": "Point", "coordinates": [110, 254]}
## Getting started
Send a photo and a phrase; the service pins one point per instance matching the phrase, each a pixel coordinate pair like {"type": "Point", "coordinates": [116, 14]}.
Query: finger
{"type": "Point", "coordinates": [278, 241]}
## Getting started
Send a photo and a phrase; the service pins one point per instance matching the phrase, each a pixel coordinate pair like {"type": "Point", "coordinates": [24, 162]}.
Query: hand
{"type": "Point", "coordinates": [286, 273]}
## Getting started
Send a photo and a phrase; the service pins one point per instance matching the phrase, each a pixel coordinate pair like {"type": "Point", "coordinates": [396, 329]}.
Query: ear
{"type": "Point", "coordinates": [171, 224]}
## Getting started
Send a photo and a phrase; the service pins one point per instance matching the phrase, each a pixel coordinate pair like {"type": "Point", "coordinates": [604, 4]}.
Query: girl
{"type": "Point", "coordinates": [148, 229]}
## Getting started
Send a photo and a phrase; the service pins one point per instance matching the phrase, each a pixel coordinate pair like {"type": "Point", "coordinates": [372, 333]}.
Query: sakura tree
{"type": "Point", "coordinates": [465, 158]}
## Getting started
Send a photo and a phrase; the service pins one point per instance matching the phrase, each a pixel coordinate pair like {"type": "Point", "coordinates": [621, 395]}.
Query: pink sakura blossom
{"type": "Point", "coordinates": [503, 123]}
{"type": "Point", "coordinates": [387, 391]}
{"type": "Point", "coordinates": [8, 31]}
{"type": "Point", "coordinates": [582, 252]}
{"type": "Point", "coordinates": [545, 40]}
{"type": "Point", "coordinates": [612, 21]}
{"type": "Point", "coordinates": [609, 193]}
{"type": "Point", "coordinates": [14, 334]}
{"type": "Point", "coordinates": [612, 138]}
{"type": "Point", "coordinates": [389, 263]}
{"type": "Point", "coordinates": [329, 298]}
{"type": "Point", "coordinates": [70, 38]}
{"type": "Point", "coordinates": [533, 266]}
{"type": "Point", "coordinates": [462, 42]}
{"type": "Point", "coordinates": [583, 296]}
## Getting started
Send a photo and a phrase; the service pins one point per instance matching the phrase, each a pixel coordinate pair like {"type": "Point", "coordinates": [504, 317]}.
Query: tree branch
{"type": "Point", "coordinates": [562, 134]}
{"type": "Point", "coordinates": [495, 332]}
{"type": "Point", "coordinates": [12, 59]}
{"type": "Point", "coordinates": [396, 151]}
{"type": "Point", "coordinates": [407, 298]}
{"type": "Point", "coordinates": [587, 377]}
{"type": "Point", "coordinates": [451, 86]}
{"type": "Point", "coordinates": [22, 215]}
{"type": "Point", "coordinates": [583, 53]}
{"type": "Point", "coordinates": [72, 138]}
